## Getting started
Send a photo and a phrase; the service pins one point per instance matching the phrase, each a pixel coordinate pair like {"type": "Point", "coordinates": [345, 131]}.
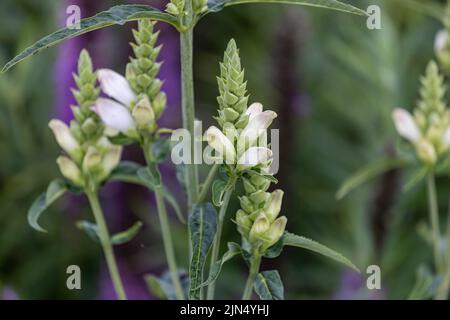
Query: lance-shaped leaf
{"type": "Point", "coordinates": [55, 190]}
{"type": "Point", "coordinates": [367, 173]}
{"type": "Point", "coordinates": [150, 175]}
{"type": "Point", "coordinates": [115, 15]}
{"type": "Point", "coordinates": [127, 171]}
{"type": "Point", "coordinates": [426, 284]}
{"type": "Point", "coordinates": [268, 285]}
{"type": "Point", "coordinates": [217, 5]}
{"type": "Point", "coordinates": [290, 239]}
{"type": "Point", "coordinates": [122, 237]}
{"type": "Point", "coordinates": [202, 229]}
{"type": "Point", "coordinates": [233, 250]}
{"type": "Point", "coordinates": [162, 287]}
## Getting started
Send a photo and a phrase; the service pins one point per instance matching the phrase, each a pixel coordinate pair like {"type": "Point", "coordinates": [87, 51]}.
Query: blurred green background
{"type": "Point", "coordinates": [333, 83]}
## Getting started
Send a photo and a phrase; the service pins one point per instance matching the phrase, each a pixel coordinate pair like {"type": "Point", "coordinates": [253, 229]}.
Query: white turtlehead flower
{"type": "Point", "coordinates": [219, 142]}
{"type": "Point", "coordinates": [405, 125]}
{"type": "Point", "coordinates": [63, 136]}
{"type": "Point", "coordinates": [115, 86]}
{"type": "Point", "coordinates": [254, 109]}
{"type": "Point", "coordinates": [440, 42]}
{"type": "Point", "coordinates": [253, 157]}
{"type": "Point", "coordinates": [114, 115]}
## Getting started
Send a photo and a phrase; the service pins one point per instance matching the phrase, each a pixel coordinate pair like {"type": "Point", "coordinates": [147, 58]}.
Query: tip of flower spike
{"type": "Point", "coordinates": [84, 61]}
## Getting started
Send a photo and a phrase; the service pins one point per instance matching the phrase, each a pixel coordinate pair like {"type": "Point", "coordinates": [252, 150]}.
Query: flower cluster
{"type": "Point", "coordinates": [138, 100]}
{"type": "Point", "coordinates": [90, 156]}
{"type": "Point", "coordinates": [429, 128]}
{"type": "Point", "coordinates": [242, 145]}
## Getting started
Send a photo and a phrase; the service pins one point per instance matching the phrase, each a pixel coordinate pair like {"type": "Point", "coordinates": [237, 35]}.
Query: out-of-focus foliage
{"type": "Point", "coordinates": [334, 96]}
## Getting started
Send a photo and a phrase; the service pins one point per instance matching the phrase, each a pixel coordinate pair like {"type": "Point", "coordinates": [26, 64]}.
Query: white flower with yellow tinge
{"type": "Point", "coordinates": [242, 149]}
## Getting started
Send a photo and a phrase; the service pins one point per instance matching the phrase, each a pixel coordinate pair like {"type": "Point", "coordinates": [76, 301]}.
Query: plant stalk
{"type": "Point", "coordinates": [254, 269]}
{"type": "Point", "coordinates": [209, 180]}
{"type": "Point", "coordinates": [188, 101]}
{"type": "Point", "coordinates": [106, 244]}
{"type": "Point", "coordinates": [165, 229]}
{"type": "Point", "coordinates": [217, 240]}
{"type": "Point", "coordinates": [434, 220]}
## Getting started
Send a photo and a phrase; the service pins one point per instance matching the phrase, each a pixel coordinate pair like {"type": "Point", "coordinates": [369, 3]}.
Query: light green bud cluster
{"type": "Point", "coordinates": [233, 98]}
{"type": "Point", "coordinates": [199, 6]}
{"type": "Point", "coordinates": [141, 74]}
{"type": "Point", "coordinates": [432, 115]}
{"type": "Point", "coordinates": [176, 8]}
{"type": "Point", "coordinates": [90, 155]}
{"type": "Point", "coordinates": [87, 125]}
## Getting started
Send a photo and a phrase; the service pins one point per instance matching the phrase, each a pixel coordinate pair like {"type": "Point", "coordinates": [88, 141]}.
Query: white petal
{"type": "Point", "coordinates": [115, 86]}
{"type": "Point", "coordinates": [441, 40]}
{"type": "Point", "coordinates": [254, 156]}
{"type": "Point", "coordinates": [446, 137]}
{"type": "Point", "coordinates": [254, 109]}
{"type": "Point", "coordinates": [114, 115]}
{"type": "Point", "coordinates": [219, 142]}
{"type": "Point", "coordinates": [63, 136]}
{"type": "Point", "coordinates": [254, 129]}
{"type": "Point", "coordinates": [405, 125]}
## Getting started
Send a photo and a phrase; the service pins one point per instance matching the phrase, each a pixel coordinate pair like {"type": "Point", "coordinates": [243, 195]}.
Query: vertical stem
{"type": "Point", "coordinates": [165, 228]}
{"type": "Point", "coordinates": [434, 220]}
{"type": "Point", "coordinates": [188, 102]}
{"type": "Point", "coordinates": [445, 287]}
{"type": "Point", "coordinates": [217, 239]}
{"type": "Point", "coordinates": [209, 179]}
{"type": "Point", "coordinates": [254, 269]}
{"type": "Point", "coordinates": [106, 244]}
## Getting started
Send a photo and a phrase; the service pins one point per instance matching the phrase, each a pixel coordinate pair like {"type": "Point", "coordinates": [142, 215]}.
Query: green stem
{"type": "Point", "coordinates": [254, 269]}
{"type": "Point", "coordinates": [188, 101]}
{"type": "Point", "coordinates": [445, 287]}
{"type": "Point", "coordinates": [209, 180]}
{"type": "Point", "coordinates": [106, 244]}
{"type": "Point", "coordinates": [217, 239]}
{"type": "Point", "coordinates": [434, 220]}
{"type": "Point", "coordinates": [165, 228]}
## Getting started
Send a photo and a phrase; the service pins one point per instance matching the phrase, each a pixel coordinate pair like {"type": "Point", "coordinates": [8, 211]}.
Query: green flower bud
{"type": "Point", "coordinates": [259, 228]}
{"type": "Point", "coordinates": [426, 152]}
{"type": "Point", "coordinates": [243, 220]}
{"type": "Point", "coordinates": [273, 206]}
{"type": "Point", "coordinates": [92, 159]}
{"type": "Point", "coordinates": [275, 232]}
{"type": "Point", "coordinates": [259, 197]}
{"type": "Point", "coordinates": [248, 186]}
{"type": "Point", "coordinates": [143, 114]}
{"type": "Point", "coordinates": [246, 204]}
{"type": "Point", "coordinates": [70, 170]}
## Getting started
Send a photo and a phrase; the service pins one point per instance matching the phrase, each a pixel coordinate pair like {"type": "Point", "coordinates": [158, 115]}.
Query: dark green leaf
{"type": "Point", "coordinates": [115, 15]}
{"type": "Point", "coordinates": [233, 250]}
{"type": "Point", "coordinates": [217, 5]}
{"type": "Point", "coordinates": [202, 229]}
{"type": "Point", "coordinates": [55, 190]}
{"type": "Point", "coordinates": [122, 140]}
{"type": "Point", "coordinates": [150, 175]}
{"type": "Point", "coordinates": [127, 235]}
{"type": "Point", "coordinates": [90, 228]}
{"type": "Point", "coordinates": [367, 173]}
{"type": "Point", "coordinates": [268, 285]}
{"type": "Point", "coordinates": [160, 149]}
{"type": "Point", "coordinates": [162, 286]}
{"type": "Point", "coordinates": [290, 239]}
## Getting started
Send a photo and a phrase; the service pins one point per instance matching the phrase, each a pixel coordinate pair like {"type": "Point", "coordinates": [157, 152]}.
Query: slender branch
{"type": "Point", "coordinates": [188, 102]}
{"type": "Point", "coordinates": [209, 180]}
{"type": "Point", "coordinates": [217, 240]}
{"type": "Point", "coordinates": [106, 244]}
{"type": "Point", "coordinates": [165, 229]}
{"type": "Point", "coordinates": [254, 269]}
{"type": "Point", "coordinates": [445, 287]}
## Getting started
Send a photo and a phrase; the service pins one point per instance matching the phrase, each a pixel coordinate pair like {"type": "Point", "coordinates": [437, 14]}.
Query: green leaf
{"type": "Point", "coordinates": [367, 173]}
{"type": "Point", "coordinates": [269, 177]}
{"type": "Point", "coordinates": [290, 239]}
{"type": "Point", "coordinates": [417, 176]}
{"type": "Point", "coordinates": [113, 16]}
{"type": "Point", "coordinates": [218, 192]}
{"type": "Point", "coordinates": [123, 237]}
{"type": "Point", "coordinates": [55, 190]}
{"type": "Point", "coordinates": [162, 286]}
{"type": "Point", "coordinates": [268, 285]}
{"type": "Point", "coordinates": [90, 228]}
{"type": "Point", "coordinates": [127, 235]}
{"type": "Point", "coordinates": [233, 250]}
{"type": "Point", "coordinates": [202, 230]}
{"type": "Point", "coordinates": [218, 5]}
{"type": "Point", "coordinates": [431, 8]}
{"type": "Point", "coordinates": [160, 149]}
{"type": "Point", "coordinates": [121, 140]}
{"type": "Point", "coordinates": [127, 171]}
{"type": "Point", "coordinates": [150, 175]}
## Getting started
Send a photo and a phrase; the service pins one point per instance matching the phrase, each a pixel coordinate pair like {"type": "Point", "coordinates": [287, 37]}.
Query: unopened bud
{"type": "Point", "coordinates": [259, 228]}
{"type": "Point", "coordinates": [276, 231]}
{"type": "Point", "coordinates": [426, 152]}
{"type": "Point", "coordinates": [273, 206]}
{"type": "Point", "coordinates": [70, 170]}
{"type": "Point", "coordinates": [143, 114]}
{"type": "Point", "coordinates": [92, 159]}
